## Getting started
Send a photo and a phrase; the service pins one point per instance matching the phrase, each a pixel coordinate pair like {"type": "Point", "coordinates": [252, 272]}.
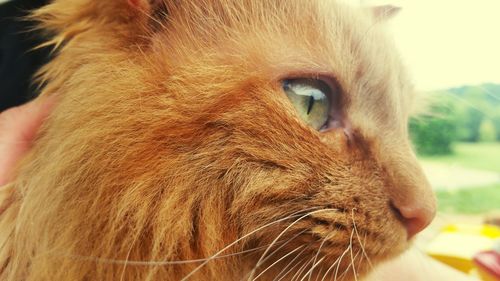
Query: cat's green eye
{"type": "Point", "coordinates": [310, 97]}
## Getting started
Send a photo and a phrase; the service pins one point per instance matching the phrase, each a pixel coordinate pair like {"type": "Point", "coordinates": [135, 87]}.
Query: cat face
{"type": "Point", "coordinates": [182, 133]}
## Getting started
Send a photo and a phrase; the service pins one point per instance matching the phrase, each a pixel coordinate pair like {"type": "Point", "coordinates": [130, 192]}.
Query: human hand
{"type": "Point", "coordinates": [18, 128]}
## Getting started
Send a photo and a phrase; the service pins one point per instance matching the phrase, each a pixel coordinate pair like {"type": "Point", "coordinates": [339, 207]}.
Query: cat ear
{"type": "Point", "coordinates": [384, 12]}
{"type": "Point", "coordinates": [65, 19]}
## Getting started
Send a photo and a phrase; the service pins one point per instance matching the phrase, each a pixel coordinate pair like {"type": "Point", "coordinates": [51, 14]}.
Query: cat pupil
{"type": "Point", "coordinates": [311, 104]}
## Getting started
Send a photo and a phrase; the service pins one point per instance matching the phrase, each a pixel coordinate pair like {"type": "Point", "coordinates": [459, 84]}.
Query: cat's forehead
{"type": "Point", "coordinates": [276, 39]}
{"type": "Point", "coordinates": [273, 40]}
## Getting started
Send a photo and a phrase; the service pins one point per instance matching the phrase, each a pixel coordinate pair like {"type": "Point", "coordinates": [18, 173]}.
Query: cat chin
{"type": "Point", "coordinates": [351, 264]}
{"type": "Point", "coordinates": [346, 253]}
{"type": "Point", "coordinates": [341, 237]}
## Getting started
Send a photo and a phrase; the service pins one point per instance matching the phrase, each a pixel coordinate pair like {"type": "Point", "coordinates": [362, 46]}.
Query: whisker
{"type": "Point", "coordinates": [301, 269]}
{"type": "Point", "coordinates": [290, 263]}
{"type": "Point", "coordinates": [306, 210]}
{"type": "Point", "coordinates": [362, 244]}
{"type": "Point", "coordinates": [245, 236]}
{"type": "Point", "coordinates": [163, 263]}
{"type": "Point", "coordinates": [320, 270]}
{"type": "Point", "coordinates": [238, 240]}
{"type": "Point", "coordinates": [259, 262]}
{"type": "Point", "coordinates": [360, 263]}
{"type": "Point", "coordinates": [277, 249]}
{"type": "Point", "coordinates": [339, 259]}
{"type": "Point", "coordinates": [352, 256]}
{"type": "Point", "coordinates": [310, 271]}
{"type": "Point", "coordinates": [344, 273]}
{"type": "Point", "coordinates": [319, 250]}
{"type": "Point", "coordinates": [277, 261]}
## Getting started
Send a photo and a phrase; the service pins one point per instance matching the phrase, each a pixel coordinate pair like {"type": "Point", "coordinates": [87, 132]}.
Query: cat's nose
{"type": "Point", "coordinates": [415, 216]}
{"type": "Point", "coordinates": [410, 193]}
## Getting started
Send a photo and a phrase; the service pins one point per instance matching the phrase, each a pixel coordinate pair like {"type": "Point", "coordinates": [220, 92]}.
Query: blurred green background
{"type": "Point", "coordinates": [458, 142]}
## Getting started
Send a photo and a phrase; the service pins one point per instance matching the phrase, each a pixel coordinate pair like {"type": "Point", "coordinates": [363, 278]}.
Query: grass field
{"type": "Point", "coordinates": [473, 199]}
{"type": "Point", "coordinates": [470, 201]}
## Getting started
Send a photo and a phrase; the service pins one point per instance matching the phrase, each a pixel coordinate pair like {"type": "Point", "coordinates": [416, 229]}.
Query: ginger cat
{"type": "Point", "coordinates": [216, 140]}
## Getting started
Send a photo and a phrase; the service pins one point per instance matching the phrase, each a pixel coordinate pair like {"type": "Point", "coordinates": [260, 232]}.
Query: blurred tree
{"type": "Point", "coordinates": [487, 131]}
{"type": "Point", "coordinates": [495, 119]}
{"type": "Point", "coordinates": [469, 120]}
{"type": "Point", "coordinates": [435, 132]}
{"type": "Point", "coordinates": [474, 105]}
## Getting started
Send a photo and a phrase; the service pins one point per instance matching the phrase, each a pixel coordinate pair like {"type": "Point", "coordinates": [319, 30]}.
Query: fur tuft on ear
{"type": "Point", "coordinates": [66, 19]}
{"type": "Point", "coordinates": [384, 12]}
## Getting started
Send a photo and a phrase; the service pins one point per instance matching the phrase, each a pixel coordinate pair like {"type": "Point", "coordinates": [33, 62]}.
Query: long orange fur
{"type": "Point", "coordinates": [172, 138]}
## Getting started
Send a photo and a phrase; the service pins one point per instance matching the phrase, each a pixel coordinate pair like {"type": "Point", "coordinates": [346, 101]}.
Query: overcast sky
{"type": "Point", "coordinates": [448, 43]}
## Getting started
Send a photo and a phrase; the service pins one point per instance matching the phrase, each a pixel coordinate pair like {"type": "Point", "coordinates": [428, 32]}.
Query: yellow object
{"type": "Point", "coordinates": [458, 243]}
{"type": "Point", "coordinates": [486, 230]}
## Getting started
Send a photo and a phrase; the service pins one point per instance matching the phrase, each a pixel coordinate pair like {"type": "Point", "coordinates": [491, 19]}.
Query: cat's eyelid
{"type": "Point", "coordinates": [326, 77]}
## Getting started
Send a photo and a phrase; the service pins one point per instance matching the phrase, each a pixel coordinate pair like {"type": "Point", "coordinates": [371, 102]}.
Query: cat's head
{"type": "Point", "coordinates": [272, 130]}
